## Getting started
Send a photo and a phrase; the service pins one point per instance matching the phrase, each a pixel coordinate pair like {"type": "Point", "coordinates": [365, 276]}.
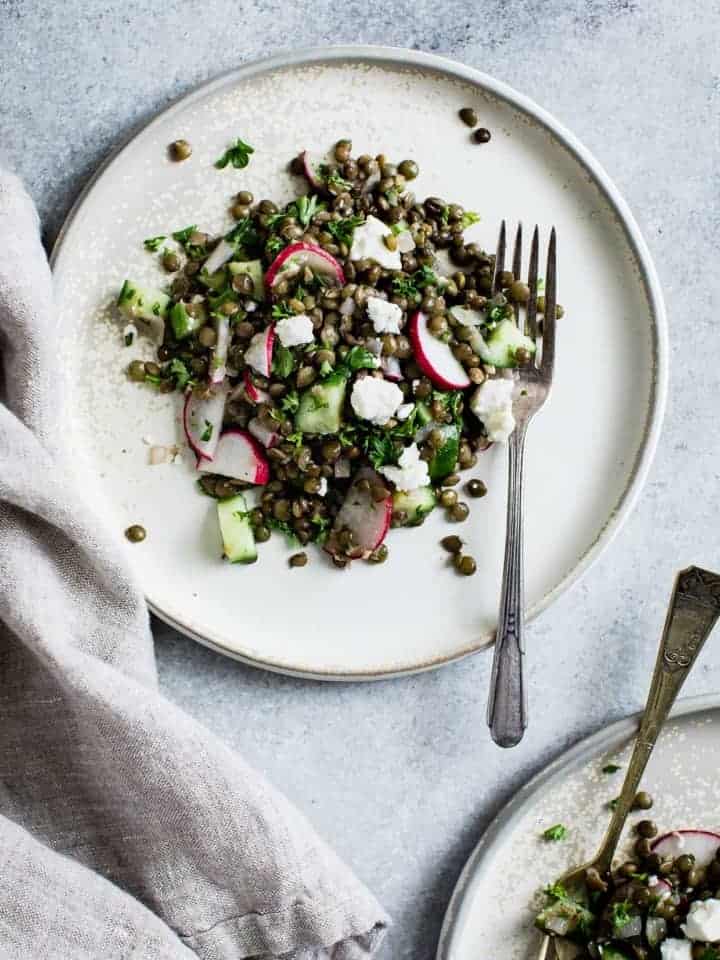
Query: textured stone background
{"type": "Point", "coordinates": [401, 776]}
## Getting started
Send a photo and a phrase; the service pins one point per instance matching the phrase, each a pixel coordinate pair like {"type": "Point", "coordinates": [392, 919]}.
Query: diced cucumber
{"type": "Point", "coordinates": [423, 416]}
{"type": "Point", "coordinates": [499, 346]}
{"type": "Point", "coordinates": [184, 323]}
{"type": "Point", "coordinates": [417, 504]}
{"type": "Point", "coordinates": [445, 456]}
{"type": "Point", "coordinates": [143, 303]}
{"type": "Point", "coordinates": [565, 917]}
{"type": "Point", "coordinates": [320, 409]}
{"type": "Point", "coordinates": [255, 271]}
{"type": "Point", "coordinates": [237, 535]}
{"type": "Point", "coordinates": [215, 281]}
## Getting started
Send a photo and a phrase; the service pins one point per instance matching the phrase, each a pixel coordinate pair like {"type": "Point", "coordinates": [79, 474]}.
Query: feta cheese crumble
{"type": "Point", "coordinates": [703, 921]}
{"type": "Point", "coordinates": [410, 473]}
{"type": "Point", "coordinates": [368, 244]}
{"type": "Point", "coordinates": [673, 949]}
{"type": "Point", "coordinates": [294, 331]}
{"type": "Point", "coordinates": [375, 400]}
{"type": "Point", "coordinates": [323, 489]}
{"type": "Point", "coordinates": [385, 316]}
{"type": "Point", "coordinates": [492, 404]}
{"type": "Point", "coordinates": [404, 410]}
{"type": "Point", "coordinates": [256, 353]}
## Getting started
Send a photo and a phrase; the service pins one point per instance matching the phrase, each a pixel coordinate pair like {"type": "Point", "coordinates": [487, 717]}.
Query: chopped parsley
{"type": "Point", "coordinates": [244, 235]}
{"type": "Point", "coordinates": [621, 915]}
{"type": "Point", "coordinates": [283, 527]}
{"type": "Point", "coordinates": [342, 230]}
{"type": "Point", "coordinates": [177, 369]}
{"type": "Point", "coordinates": [610, 768]}
{"type": "Point", "coordinates": [281, 310]}
{"type": "Point", "coordinates": [127, 292]}
{"type": "Point", "coordinates": [207, 432]}
{"type": "Point", "coordinates": [322, 528]}
{"type": "Point", "coordinates": [469, 218]}
{"type": "Point", "coordinates": [274, 245]}
{"type": "Point", "coordinates": [283, 361]}
{"type": "Point", "coordinates": [305, 208]}
{"type": "Point", "coordinates": [556, 891]}
{"type": "Point", "coordinates": [379, 448]}
{"type": "Point", "coordinates": [417, 281]}
{"type": "Point", "coordinates": [183, 236]}
{"type": "Point", "coordinates": [295, 438]}
{"type": "Point", "coordinates": [360, 358]}
{"type": "Point", "coordinates": [153, 244]}
{"type": "Point", "coordinates": [290, 402]}
{"type": "Point", "coordinates": [553, 834]}
{"type": "Point", "coordinates": [334, 179]}
{"type": "Point", "coordinates": [238, 155]}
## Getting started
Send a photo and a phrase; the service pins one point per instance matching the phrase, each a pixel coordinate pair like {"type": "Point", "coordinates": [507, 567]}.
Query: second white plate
{"type": "Point", "coordinates": [588, 452]}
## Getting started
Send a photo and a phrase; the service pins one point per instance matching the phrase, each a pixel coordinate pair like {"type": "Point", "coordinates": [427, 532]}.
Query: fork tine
{"type": "Point", "coordinates": [499, 259]}
{"type": "Point", "coordinates": [548, 348]}
{"type": "Point", "coordinates": [516, 268]}
{"type": "Point", "coordinates": [531, 320]}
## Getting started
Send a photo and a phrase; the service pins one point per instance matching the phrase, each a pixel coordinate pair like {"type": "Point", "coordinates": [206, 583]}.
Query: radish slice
{"type": "Point", "coordinates": [434, 357]}
{"type": "Point", "coordinates": [202, 420]}
{"type": "Point", "coordinates": [267, 437]}
{"type": "Point", "coordinates": [368, 519]}
{"type": "Point", "coordinates": [219, 257]}
{"type": "Point", "coordinates": [702, 844]}
{"type": "Point", "coordinates": [253, 393]}
{"type": "Point", "coordinates": [391, 369]}
{"type": "Point", "coordinates": [220, 350]}
{"type": "Point", "coordinates": [311, 169]}
{"type": "Point", "coordinates": [303, 254]}
{"type": "Point", "coordinates": [656, 885]}
{"type": "Point", "coordinates": [238, 456]}
{"type": "Point", "coordinates": [260, 350]}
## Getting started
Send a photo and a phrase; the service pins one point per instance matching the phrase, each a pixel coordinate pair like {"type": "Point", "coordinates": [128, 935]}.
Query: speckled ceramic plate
{"type": "Point", "coordinates": [588, 452]}
{"type": "Point", "coordinates": [491, 912]}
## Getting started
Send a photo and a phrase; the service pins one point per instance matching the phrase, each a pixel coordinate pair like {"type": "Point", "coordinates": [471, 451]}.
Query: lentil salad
{"type": "Point", "coordinates": [329, 360]}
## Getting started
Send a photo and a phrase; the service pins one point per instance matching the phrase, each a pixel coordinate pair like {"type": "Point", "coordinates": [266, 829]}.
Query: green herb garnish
{"type": "Point", "coordinates": [283, 362]}
{"type": "Point", "coordinates": [553, 834]}
{"type": "Point", "coordinates": [469, 218]}
{"type": "Point", "coordinates": [281, 310]}
{"type": "Point", "coordinates": [621, 915]}
{"type": "Point", "coordinates": [283, 527]}
{"type": "Point", "coordinates": [127, 292]}
{"type": "Point", "coordinates": [613, 803]}
{"type": "Point", "coordinates": [153, 244]}
{"type": "Point", "coordinates": [295, 438]}
{"type": "Point", "coordinates": [342, 230]}
{"type": "Point", "coordinates": [238, 155]}
{"type": "Point", "coordinates": [290, 402]}
{"type": "Point", "coordinates": [360, 358]}
{"type": "Point", "coordinates": [322, 528]}
{"type": "Point", "coordinates": [379, 448]}
{"type": "Point", "coordinates": [304, 209]}
{"type": "Point", "coordinates": [180, 372]}
{"type": "Point", "coordinates": [244, 235]}
{"type": "Point", "coordinates": [610, 768]}
{"type": "Point", "coordinates": [182, 236]}
{"type": "Point", "coordinates": [556, 891]}
{"type": "Point", "coordinates": [207, 432]}
{"type": "Point", "coordinates": [274, 245]}
{"type": "Point", "coordinates": [412, 285]}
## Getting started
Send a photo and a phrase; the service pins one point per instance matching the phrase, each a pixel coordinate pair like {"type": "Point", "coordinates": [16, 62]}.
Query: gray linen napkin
{"type": "Point", "coordinates": [126, 829]}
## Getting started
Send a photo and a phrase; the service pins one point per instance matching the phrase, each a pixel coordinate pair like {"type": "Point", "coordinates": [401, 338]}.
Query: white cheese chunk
{"type": "Point", "coordinates": [385, 316]}
{"type": "Point", "coordinates": [703, 921]}
{"type": "Point", "coordinates": [673, 949]}
{"type": "Point", "coordinates": [375, 400]}
{"type": "Point", "coordinates": [368, 244]}
{"type": "Point", "coordinates": [410, 473]}
{"type": "Point", "coordinates": [256, 353]}
{"type": "Point", "coordinates": [294, 331]}
{"type": "Point", "coordinates": [492, 404]}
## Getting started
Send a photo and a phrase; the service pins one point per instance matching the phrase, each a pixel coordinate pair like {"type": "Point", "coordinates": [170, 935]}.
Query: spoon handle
{"type": "Point", "coordinates": [694, 609]}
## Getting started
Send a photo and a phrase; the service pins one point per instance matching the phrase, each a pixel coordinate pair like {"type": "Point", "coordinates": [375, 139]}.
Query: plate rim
{"type": "Point", "coordinates": [400, 57]}
{"type": "Point", "coordinates": [603, 740]}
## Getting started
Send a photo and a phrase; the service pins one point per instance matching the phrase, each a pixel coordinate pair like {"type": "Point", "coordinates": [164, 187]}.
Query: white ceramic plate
{"type": "Point", "coordinates": [588, 452]}
{"type": "Point", "coordinates": [492, 909]}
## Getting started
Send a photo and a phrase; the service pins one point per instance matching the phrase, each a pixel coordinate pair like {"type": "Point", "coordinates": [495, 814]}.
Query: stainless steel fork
{"type": "Point", "coordinates": [507, 707]}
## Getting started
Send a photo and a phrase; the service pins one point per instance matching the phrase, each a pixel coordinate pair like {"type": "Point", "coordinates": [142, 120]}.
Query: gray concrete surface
{"type": "Point", "coordinates": [401, 776]}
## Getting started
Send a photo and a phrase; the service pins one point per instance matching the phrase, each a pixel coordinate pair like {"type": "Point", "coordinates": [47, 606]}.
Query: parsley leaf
{"type": "Point", "coordinates": [556, 891]}
{"type": "Point", "coordinates": [412, 285]}
{"type": "Point", "coordinates": [444, 215]}
{"type": "Point", "coordinates": [334, 179]}
{"type": "Point", "coordinates": [553, 834]}
{"type": "Point", "coordinates": [610, 768]}
{"type": "Point", "coordinates": [281, 310]}
{"type": "Point", "coordinates": [620, 914]}
{"type": "Point", "coordinates": [295, 438]}
{"type": "Point", "coordinates": [290, 402]}
{"type": "Point", "coordinates": [153, 244]}
{"type": "Point", "coordinates": [305, 208]}
{"type": "Point", "coordinates": [182, 236]}
{"type": "Point", "coordinates": [283, 527]}
{"type": "Point", "coordinates": [469, 218]}
{"type": "Point", "coordinates": [207, 432]}
{"type": "Point", "coordinates": [180, 372]}
{"type": "Point", "coordinates": [238, 155]}
{"type": "Point", "coordinates": [244, 235]}
{"type": "Point", "coordinates": [360, 358]}
{"type": "Point", "coordinates": [274, 245]}
{"type": "Point", "coordinates": [322, 528]}
{"type": "Point", "coordinates": [342, 230]}
{"type": "Point", "coordinates": [379, 448]}
{"type": "Point", "coordinates": [283, 362]}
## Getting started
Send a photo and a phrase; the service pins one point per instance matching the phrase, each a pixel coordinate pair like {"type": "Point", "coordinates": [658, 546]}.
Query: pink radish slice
{"type": "Point", "coordinates": [434, 357]}
{"type": "Point", "coordinates": [260, 350]}
{"type": "Point", "coordinates": [219, 257]}
{"type": "Point", "coordinates": [702, 844]}
{"type": "Point", "coordinates": [303, 254]}
{"type": "Point", "coordinates": [311, 169]}
{"type": "Point", "coordinates": [368, 519]}
{"type": "Point", "coordinates": [659, 888]}
{"type": "Point", "coordinates": [391, 369]}
{"type": "Point", "coordinates": [267, 437]}
{"type": "Point", "coordinates": [253, 393]}
{"type": "Point", "coordinates": [202, 418]}
{"type": "Point", "coordinates": [220, 350]}
{"type": "Point", "coordinates": [238, 456]}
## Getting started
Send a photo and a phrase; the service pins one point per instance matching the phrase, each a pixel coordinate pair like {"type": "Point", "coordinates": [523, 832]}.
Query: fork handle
{"type": "Point", "coordinates": [507, 706]}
